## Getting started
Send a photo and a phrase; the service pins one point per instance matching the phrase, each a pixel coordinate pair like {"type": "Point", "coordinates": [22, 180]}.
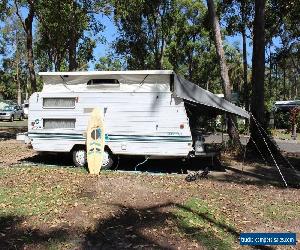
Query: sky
{"type": "Point", "coordinates": [110, 33]}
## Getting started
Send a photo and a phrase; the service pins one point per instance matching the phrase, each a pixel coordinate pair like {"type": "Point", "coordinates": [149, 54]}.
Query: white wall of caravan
{"type": "Point", "coordinates": [138, 123]}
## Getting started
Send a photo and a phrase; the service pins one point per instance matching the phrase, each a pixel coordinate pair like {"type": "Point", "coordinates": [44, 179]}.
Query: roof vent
{"type": "Point", "coordinates": [102, 81]}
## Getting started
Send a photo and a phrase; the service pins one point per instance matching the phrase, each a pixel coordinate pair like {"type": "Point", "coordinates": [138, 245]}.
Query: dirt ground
{"type": "Point", "coordinates": [47, 204]}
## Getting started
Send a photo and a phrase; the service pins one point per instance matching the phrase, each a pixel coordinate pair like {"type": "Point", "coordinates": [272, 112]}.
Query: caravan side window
{"type": "Point", "coordinates": [58, 123]}
{"type": "Point", "coordinates": [59, 102]}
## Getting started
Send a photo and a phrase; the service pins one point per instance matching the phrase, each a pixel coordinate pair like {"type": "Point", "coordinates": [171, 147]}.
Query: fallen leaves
{"type": "Point", "coordinates": [52, 197]}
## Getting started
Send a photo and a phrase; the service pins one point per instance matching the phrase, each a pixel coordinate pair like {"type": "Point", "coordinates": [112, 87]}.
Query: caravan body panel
{"type": "Point", "coordinates": [139, 120]}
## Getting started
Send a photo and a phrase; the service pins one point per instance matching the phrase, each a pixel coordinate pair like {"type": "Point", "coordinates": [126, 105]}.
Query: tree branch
{"type": "Point", "coordinates": [20, 17]}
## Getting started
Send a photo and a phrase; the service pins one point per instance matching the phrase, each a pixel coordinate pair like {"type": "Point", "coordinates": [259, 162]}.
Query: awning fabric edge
{"type": "Point", "coordinates": [191, 92]}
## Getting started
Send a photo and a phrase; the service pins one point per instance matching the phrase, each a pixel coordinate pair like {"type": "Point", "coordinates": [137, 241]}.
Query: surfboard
{"type": "Point", "coordinates": [95, 141]}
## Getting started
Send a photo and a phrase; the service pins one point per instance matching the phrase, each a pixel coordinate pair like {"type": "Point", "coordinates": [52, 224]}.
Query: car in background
{"type": "Point", "coordinates": [25, 109]}
{"type": "Point", "coordinates": [11, 113]}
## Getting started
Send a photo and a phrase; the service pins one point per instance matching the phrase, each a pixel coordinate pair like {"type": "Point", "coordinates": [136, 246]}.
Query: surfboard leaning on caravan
{"type": "Point", "coordinates": [144, 112]}
{"type": "Point", "coordinates": [95, 140]}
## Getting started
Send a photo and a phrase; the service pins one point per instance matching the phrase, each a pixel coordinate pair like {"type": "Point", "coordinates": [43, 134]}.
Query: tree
{"type": "Point", "coordinates": [238, 19]}
{"type": "Point", "coordinates": [258, 64]}
{"type": "Point", "coordinates": [231, 126]}
{"type": "Point", "coordinates": [14, 56]}
{"type": "Point", "coordinates": [190, 51]}
{"type": "Point", "coordinates": [66, 33]}
{"type": "Point", "coordinates": [145, 29]}
{"type": "Point", "coordinates": [3, 9]}
{"type": "Point", "coordinates": [108, 63]}
{"type": "Point", "coordinates": [27, 26]}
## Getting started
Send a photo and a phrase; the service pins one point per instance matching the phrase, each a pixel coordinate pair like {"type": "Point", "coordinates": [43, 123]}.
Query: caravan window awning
{"type": "Point", "coordinates": [191, 92]}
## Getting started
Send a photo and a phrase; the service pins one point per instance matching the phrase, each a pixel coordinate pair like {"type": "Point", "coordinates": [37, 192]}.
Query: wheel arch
{"type": "Point", "coordinates": [83, 146]}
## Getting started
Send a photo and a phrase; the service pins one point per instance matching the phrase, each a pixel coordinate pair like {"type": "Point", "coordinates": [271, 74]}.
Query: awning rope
{"type": "Point", "coordinates": [256, 123]}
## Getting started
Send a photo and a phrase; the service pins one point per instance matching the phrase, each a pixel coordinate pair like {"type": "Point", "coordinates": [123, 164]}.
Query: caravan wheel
{"type": "Point", "coordinates": [79, 157]}
{"type": "Point", "coordinates": [107, 161]}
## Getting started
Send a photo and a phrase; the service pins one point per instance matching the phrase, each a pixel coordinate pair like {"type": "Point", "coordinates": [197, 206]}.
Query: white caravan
{"type": "Point", "coordinates": [144, 113]}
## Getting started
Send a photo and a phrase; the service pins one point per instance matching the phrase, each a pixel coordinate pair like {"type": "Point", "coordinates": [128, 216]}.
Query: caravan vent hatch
{"type": "Point", "coordinates": [102, 81]}
{"type": "Point", "coordinates": [58, 123]}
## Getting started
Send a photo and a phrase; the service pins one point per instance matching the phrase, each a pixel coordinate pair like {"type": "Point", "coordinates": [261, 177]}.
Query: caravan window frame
{"type": "Point", "coordinates": [59, 107]}
{"type": "Point", "coordinates": [53, 119]}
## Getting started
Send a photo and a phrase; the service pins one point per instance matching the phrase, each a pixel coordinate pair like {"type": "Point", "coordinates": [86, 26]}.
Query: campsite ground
{"type": "Point", "coordinates": [47, 204]}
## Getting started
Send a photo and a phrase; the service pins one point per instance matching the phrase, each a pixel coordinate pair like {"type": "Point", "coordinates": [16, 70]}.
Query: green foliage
{"type": "Point", "coordinates": [169, 34]}
{"type": "Point", "coordinates": [282, 119]}
{"type": "Point", "coordinates": [172, 34]}
{"type": "Point", "coordinates": [108, 63]}
{"type": "Point", "coordinates": [65, 34]}
{"type": "Point", "coordinates": [3, 9]}
{"type": "Point", "coordinates": [145, 27]}
{"type": "Point", "coordinates": [237, 14]}
{"type": "Point", "coordinates": [14, 58]}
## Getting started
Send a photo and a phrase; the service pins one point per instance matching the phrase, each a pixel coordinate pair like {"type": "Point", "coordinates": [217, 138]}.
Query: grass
{"type": "Point", "coordinates": [283, 135]}
{"type": "Point", "coordinates": [200, 222]}
{"type": "Point", "coordinates": [53, 197]}
{"type": "Point", "coordinates": [281, 212]}
{"type": "Point", "coordinates": [14, 124]}
{"type": "Point", "coordinates": [30, 200]}
{"type": "Point", "coordinates": [33, 195]}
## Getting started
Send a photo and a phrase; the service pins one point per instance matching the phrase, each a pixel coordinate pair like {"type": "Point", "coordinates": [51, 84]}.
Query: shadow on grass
{"type": "Point", "coordinates": [165, 226]}
{"type": "Point", "coordinates": [295, 161]}
{"type": "Point", "coordinates": [255, 171]}
{"type": "Point", "coordinates": [7, 136]}
{"type": "Point", "coordinates": [133, 228]}
{"type": "Point", "coordinates": [260, 175]}
{"type": "Point", "coordinates": [15, 236]}
{"type": "Point", "coordinates": [7, 133]}
{"type": "Point", "coordinates": [48, 159]}
{"type": "Point", "coordinates": [132, 163]}
{"type": "Point", "coordinates": [192, 216]}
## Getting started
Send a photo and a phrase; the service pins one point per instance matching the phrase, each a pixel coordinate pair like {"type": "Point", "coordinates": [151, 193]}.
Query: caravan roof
{"type": "Point", "coordinates": [101, 73]}
{"type": "Point", "coordinates": [181, 87]}
{"type": "Point", "coordinates": [130, 77]}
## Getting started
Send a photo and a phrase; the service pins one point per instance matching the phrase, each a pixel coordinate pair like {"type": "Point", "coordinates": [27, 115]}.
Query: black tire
{"type": "Point", "coordinates": [12, 118]}
{"type": "Point", "coordinates": [108, 160]}
{"type": "Point", "coordinates": [21, 117]}
{"type": "Point", "coordinates": [80, 160]}
{"type": "Point", "coordinates": [79, 157]}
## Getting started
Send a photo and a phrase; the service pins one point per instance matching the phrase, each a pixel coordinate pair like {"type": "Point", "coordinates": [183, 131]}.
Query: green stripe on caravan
{"type": "Point", "coordinates": [110, 137]}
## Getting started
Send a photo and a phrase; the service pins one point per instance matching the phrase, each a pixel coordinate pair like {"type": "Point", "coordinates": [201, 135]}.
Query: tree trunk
{"type": "Point", "coordinates": [29, 47]}
{"type": "Point", "coordinates": [18, 82]}
{"type": "Point", "coordinates": [232, 127]}
{"type": "Point", "coordinates": [296, 88]}
{"type": "Point", "coordinates": [72, 44]}
{"type": "Point", "coordinates": [284, 82]}
{"type": "Point", "coordinates": [270, 75]}
{"type": "Point", "coordinates": [276, 81]}
{"type": "Point", "coordinates": [294, 131]}
{"type": "Point", "coordinates": [258, 64]}
{"type": "Point", "coordinates": [72, 55]}
{"type": "Point", "coordinates": [27, 87]}
{"type": "Point", "coordinates": [258, 74]}
{"type": "Point", "coordinates": [245, 63]}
